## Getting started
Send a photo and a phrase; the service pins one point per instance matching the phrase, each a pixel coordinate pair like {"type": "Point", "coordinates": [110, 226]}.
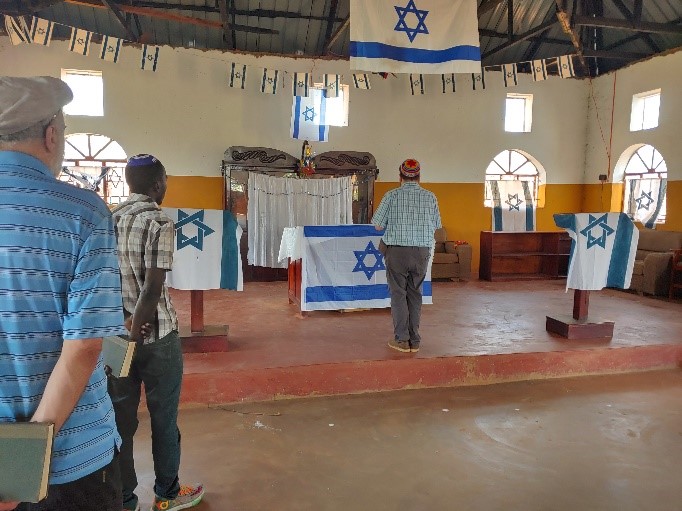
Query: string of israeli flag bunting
{"type": "Point", "coordinates": [270, 80]}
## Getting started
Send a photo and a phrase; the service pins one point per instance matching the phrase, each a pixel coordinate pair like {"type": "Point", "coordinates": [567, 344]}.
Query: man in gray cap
{"type": "Point", "coordinates": [62, 294]}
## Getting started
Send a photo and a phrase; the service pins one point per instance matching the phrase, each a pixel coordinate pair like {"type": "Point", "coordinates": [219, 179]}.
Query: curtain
{"type": "Point", "coordinates": [647, 197]}
{"type": "Point", "coordinates": [279, 202]}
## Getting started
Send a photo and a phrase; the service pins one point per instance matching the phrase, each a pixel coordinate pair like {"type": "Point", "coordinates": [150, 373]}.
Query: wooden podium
{"type": "Point", "coordinates": [580, 326]}
{"type": "Point", "coordinates": [199, 338]}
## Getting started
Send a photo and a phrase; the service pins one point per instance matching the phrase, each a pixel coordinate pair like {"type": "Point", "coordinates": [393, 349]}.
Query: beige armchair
{"type": "Point", "coordinates": [651, 272]}
{"type": "Point", "coordinates": [450, 261]}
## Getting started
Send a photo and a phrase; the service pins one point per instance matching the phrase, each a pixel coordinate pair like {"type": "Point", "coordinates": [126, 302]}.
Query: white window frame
{"type": "Point", "coordinates": [658, 171]}
{"type": "Point", "coordinates": [527, 123]}
{"type": "Point", "coordinates": [641, 105]}
{"type": "Point", "coordinates": [88, 98]}
{"type": "Point", "coordinates": [511, 174]}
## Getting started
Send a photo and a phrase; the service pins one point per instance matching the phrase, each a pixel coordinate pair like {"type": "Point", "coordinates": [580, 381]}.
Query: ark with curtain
{"type": "Point", "coordinates": [268, 190]}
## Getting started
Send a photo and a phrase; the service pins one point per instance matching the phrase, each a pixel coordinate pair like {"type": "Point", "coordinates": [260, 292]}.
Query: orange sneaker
{"type": "Point", "coordinates": [189, 496]}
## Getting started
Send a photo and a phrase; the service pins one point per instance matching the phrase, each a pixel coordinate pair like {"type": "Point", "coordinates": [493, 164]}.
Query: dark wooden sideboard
{"type": "Point", "coordinates": [524, 255]}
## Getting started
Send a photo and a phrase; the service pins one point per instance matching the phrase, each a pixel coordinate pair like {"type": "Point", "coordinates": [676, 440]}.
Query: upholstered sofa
{"type": "Point", "coordinates": [651, 272]}
{"type": "Point", "coordinates": [450, 261]}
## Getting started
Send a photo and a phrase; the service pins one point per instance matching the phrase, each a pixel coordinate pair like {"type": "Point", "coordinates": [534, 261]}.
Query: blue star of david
{"type": "Point", "coordinates": [80, 41]}
{"type": "Point", "coordinates": [110, 48]}
{"type": "Point", "coordinates": [150, 58]}
{"type": "Point", "coordinates": [196, 219]}
{"type": "Point", "coordinates": [309, 114]}
{"type": "Point", "coordinates": [301, 84]}
{"type": "Point", "coordinates": [237, 75]}
{"type": "Point", "coordinates": [401, 26]}
{"type": "Point", "coordinates": [360, 255]}
{"type": "Point", "coordinates": [606, 231]}
{"type": "Point", "coordinates": [516, 202]}
{"type": "Point", "coordinates": [644, 197]}
{"type": "Point", "coordinates": [41, 31]}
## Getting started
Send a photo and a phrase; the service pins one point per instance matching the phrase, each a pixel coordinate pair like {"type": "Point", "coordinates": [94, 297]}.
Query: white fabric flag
{"type": "Point", "coordinates": [361, 81]}
{"type": "Point", "coordinates": [509, 72]}
{"type": "Point", "coordinates": [343, 269]}
{"type": "Point", "coordinates": [647, 198]}
{"type": "Point", "coordinates": [417, 84]}
{"type": "Point", "coordinates": [448, 82]}
{"type": "Point", "coordinates": [150, 57]}
{"type": "Point", "coordinates": [308, 117]}
{"type": "Point", "coordinates": [41, 31]}
{"type": "Point", "coordinates": [237, 76]}
{"type": "Point", "coordinates": [603, 249]}
{"type": "Point", "coordinates": [539, 70]}
{"type": "Point", "coordinates": [300, 85]}
{"type": "Point", "coordinates": [111, 48]}
{"type": "Point", "coordinates": [565, 64]}
{"type": "Point", "coordinates": [270, 81]}
{"type": "Point", "coordinates": [80, 41]}
{"type": "Point", "coordinates": [478, 80]}
{"type": "Point", "coordinates": [332, 84]}
{"type": "Point", "coordinates": [433, 37]}
{"type": "Point", "coordinates": [513, 206]}
{"type": "Point", "coordinates": [17, 30]}
{"type": "Point", "coordinates": [206, 252]}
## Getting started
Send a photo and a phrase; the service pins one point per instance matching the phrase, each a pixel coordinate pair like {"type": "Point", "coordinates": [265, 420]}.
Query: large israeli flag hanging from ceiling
{"type": "Point", "coordinates": [343, 269]}
{"type": "Point", "coordinates": [603, 249]}
{"type": "Point", "coordinates": [414, 36]}
{"type": "Point", "coordinates": [206, 250]}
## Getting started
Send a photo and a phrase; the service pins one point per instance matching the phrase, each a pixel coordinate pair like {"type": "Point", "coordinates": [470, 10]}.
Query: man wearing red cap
{"type": "Point", "coordinates": [410, 216]}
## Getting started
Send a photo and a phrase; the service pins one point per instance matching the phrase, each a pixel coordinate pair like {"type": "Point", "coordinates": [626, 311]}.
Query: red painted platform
{"type": "Point", "coordinates": [475, 333]}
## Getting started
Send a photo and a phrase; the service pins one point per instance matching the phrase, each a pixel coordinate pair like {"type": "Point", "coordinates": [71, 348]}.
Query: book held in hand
{"type": "Point", "coordinates": [25, 452]}
{"type": "Point", "coordinates": [118, 353]}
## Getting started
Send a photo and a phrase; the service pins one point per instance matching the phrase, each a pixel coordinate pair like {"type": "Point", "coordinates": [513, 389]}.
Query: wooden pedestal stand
{"type": "Point", "coordinates": [580, 326]}
{"type": "Point", "coordinates": [199, 338]}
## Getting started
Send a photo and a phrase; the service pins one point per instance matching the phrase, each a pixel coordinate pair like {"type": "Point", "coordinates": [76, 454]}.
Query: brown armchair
{"type": "Point", "coordinates": [651, 271]}
{"type": "Point", "coordinates": [450, 261]}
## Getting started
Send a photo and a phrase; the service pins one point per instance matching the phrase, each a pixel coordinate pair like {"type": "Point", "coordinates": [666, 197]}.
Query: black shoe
{"type": "Point", "coordinates": [414, 346]}
{"type": "Point", "coordinates": [403, 346]}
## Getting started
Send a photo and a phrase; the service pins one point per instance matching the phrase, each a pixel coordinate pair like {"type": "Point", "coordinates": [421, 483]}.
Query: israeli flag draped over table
{"type": "Point", "coordinates": [343, 268]}
{"type": "Point", "coordinates": [602, 251]}
{"type": "Point", "coordinates": [206, 250]}
{"type": "Point", "coordinates": [414, 36]}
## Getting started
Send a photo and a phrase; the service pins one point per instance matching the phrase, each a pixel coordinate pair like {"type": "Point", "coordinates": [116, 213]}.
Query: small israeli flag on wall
{"type": "Point", "coordinates": [17, 30]}
{"type": "Point", "coordinates": [41, 31]}
{"type": "Point", "coordinates": [111, 48]}
{"type": "Point", "coordinates": [206, 250]}
{"type": "Point", "coordinates": [308, 117]}
{"type": "Point", "coordinates": [332, 83]}
{"type": "Point", "coordinates": [416, 84]}
{"type": "Point", "coordinates": [361, 81]}
{"type": "Point", "coordinates": [448, 80]}
{"type": "Point", "coordinates": [270, 81]}
{"type": "Point", "coordinates": [565, 64]}
{"type": "Point", "coordinates": [237, 76]}
{"type": "Point", "coordinates": [80, 41]}
{"type": "Point", "coordinates": [478, 80]}
{"type": "Point", "coordinates": [300, 85]}
{"type": "Point", "coordinates": [602, 251]}
{"type": "Point", "coordinates": [539, 70]}
{"type": "Point", "coordinates": [150, 57]}
{"type": "Point", "coordinates": [509, 72]}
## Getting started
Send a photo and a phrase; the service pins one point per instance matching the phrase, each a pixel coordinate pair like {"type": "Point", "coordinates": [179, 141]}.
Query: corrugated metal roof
{"type": "Point", "coordinates": [303, 26]}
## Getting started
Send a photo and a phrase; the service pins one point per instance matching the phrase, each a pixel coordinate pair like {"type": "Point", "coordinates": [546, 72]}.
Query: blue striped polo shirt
{"type": "Point", "coordinates": [59, 280]}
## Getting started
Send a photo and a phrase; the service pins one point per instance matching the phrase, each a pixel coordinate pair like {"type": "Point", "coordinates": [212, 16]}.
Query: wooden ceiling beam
{"type": "Point", "coordinates": [121, 20]}
{"type": "Point", "coordinates": [619, 55]}
{"type": "Point", "coordinates": [642, 26]}
{"type": "Point", "coordinates": [330, 24]}
{"type": "Point", "coordinates": [533, 32]}
{"type": "Point", "coordinates": [636, 17]}
{"type": "Point", "coordinates": [337, 34]}
{"type": "Point", "coordinates": [225, 20]}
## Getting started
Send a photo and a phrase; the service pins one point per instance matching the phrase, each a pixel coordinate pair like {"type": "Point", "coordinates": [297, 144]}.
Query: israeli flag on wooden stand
{"type": "Point", "coordinates": [111, 48]}
{"type": "Point", "coordinates": [300, 85]}
{"type": "Point", "coordinates": [448, 82]}
{"type": "Point", "coordinates": [513, 206]}
{"type": "Point", "coordinates": [343, 269]}
{"type": "Point", "coordinates": [80, 41]}
{"type": "Point", "coordinates": [510, 78]}
{"type": "Point", "coordinates": [41, 31]}
{"type": "Point", "coordinates": [206, 250]}
{"type": "Point", "coordinates": [565, 64]}
{"type": "Point", "coordinates": [361, 81]}
{"type": "Point", "coordinates": [602, 251]}
{"type": "Point", "coordinates": [331, 85]}
{"type": "Point", "coordinates": [270, 81]}
{"type": "Point", "coordinates": [417, 84]}
{"type": "Point", "coordinates": [539, 70]}
{"type": "Point", "coordinates": [415, 36]}
{"type": "Point", "coordinates": [237, 76]}
{"type": "Point", "coordinates": [17, 30]}
{"type": "Point", "coordinates": [150, 57]}
{"type": "Point", "coordinates": [308, 117]}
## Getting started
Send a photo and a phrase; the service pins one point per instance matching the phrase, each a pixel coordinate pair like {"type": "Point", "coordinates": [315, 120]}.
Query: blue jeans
{"type": "Point", "coordinates": [159, 366]}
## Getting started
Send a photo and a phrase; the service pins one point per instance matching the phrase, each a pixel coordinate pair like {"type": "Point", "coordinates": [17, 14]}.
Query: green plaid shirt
{"type": "Point", "coordinates": [410, 216]}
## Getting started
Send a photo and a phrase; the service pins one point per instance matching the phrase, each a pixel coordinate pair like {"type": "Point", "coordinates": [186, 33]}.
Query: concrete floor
{"type": "Point", "coordinates": [590, 443]}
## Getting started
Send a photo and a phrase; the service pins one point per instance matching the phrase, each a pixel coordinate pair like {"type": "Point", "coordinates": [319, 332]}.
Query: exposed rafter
{"type": "Point", "coordinates": [636, 16]}
{"type": "Point", "coordinates": [642, 26]}
{"type": "Point", "coordinates": [125, 24]}
{"type": "Point", "coordinates": [224, 19]}
{"type": "Point", "coordinates": [618, 55]}
{"type": "Point", "coordinates": [330, 23]}
{"type": "Point", "coordinates": [336, 35]}
{"type": "Point", "coordinates": [533, 32]}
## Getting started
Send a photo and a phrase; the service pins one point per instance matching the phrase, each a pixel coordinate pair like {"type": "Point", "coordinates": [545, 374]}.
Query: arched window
{"type": "Point", "coordinates": [514, 165]}
{"type": "Point", "coordinates": [645, 176]}
{"type": "Point", "coordinates": [97, 163]}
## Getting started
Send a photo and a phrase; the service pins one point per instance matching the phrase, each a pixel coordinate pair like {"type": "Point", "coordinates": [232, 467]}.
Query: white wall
{"type": "Point", "coordinates": [664, 72]}
{"type": "Point", "coordinates": [187, 116]}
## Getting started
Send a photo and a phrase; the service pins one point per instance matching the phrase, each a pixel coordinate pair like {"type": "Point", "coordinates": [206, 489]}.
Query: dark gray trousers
{"type": "Point", "coordinates": [405, 271]}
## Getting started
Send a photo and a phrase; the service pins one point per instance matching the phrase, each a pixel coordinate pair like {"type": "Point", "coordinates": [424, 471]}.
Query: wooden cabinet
{"type": "Point", "coordinates": [524, 255]}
